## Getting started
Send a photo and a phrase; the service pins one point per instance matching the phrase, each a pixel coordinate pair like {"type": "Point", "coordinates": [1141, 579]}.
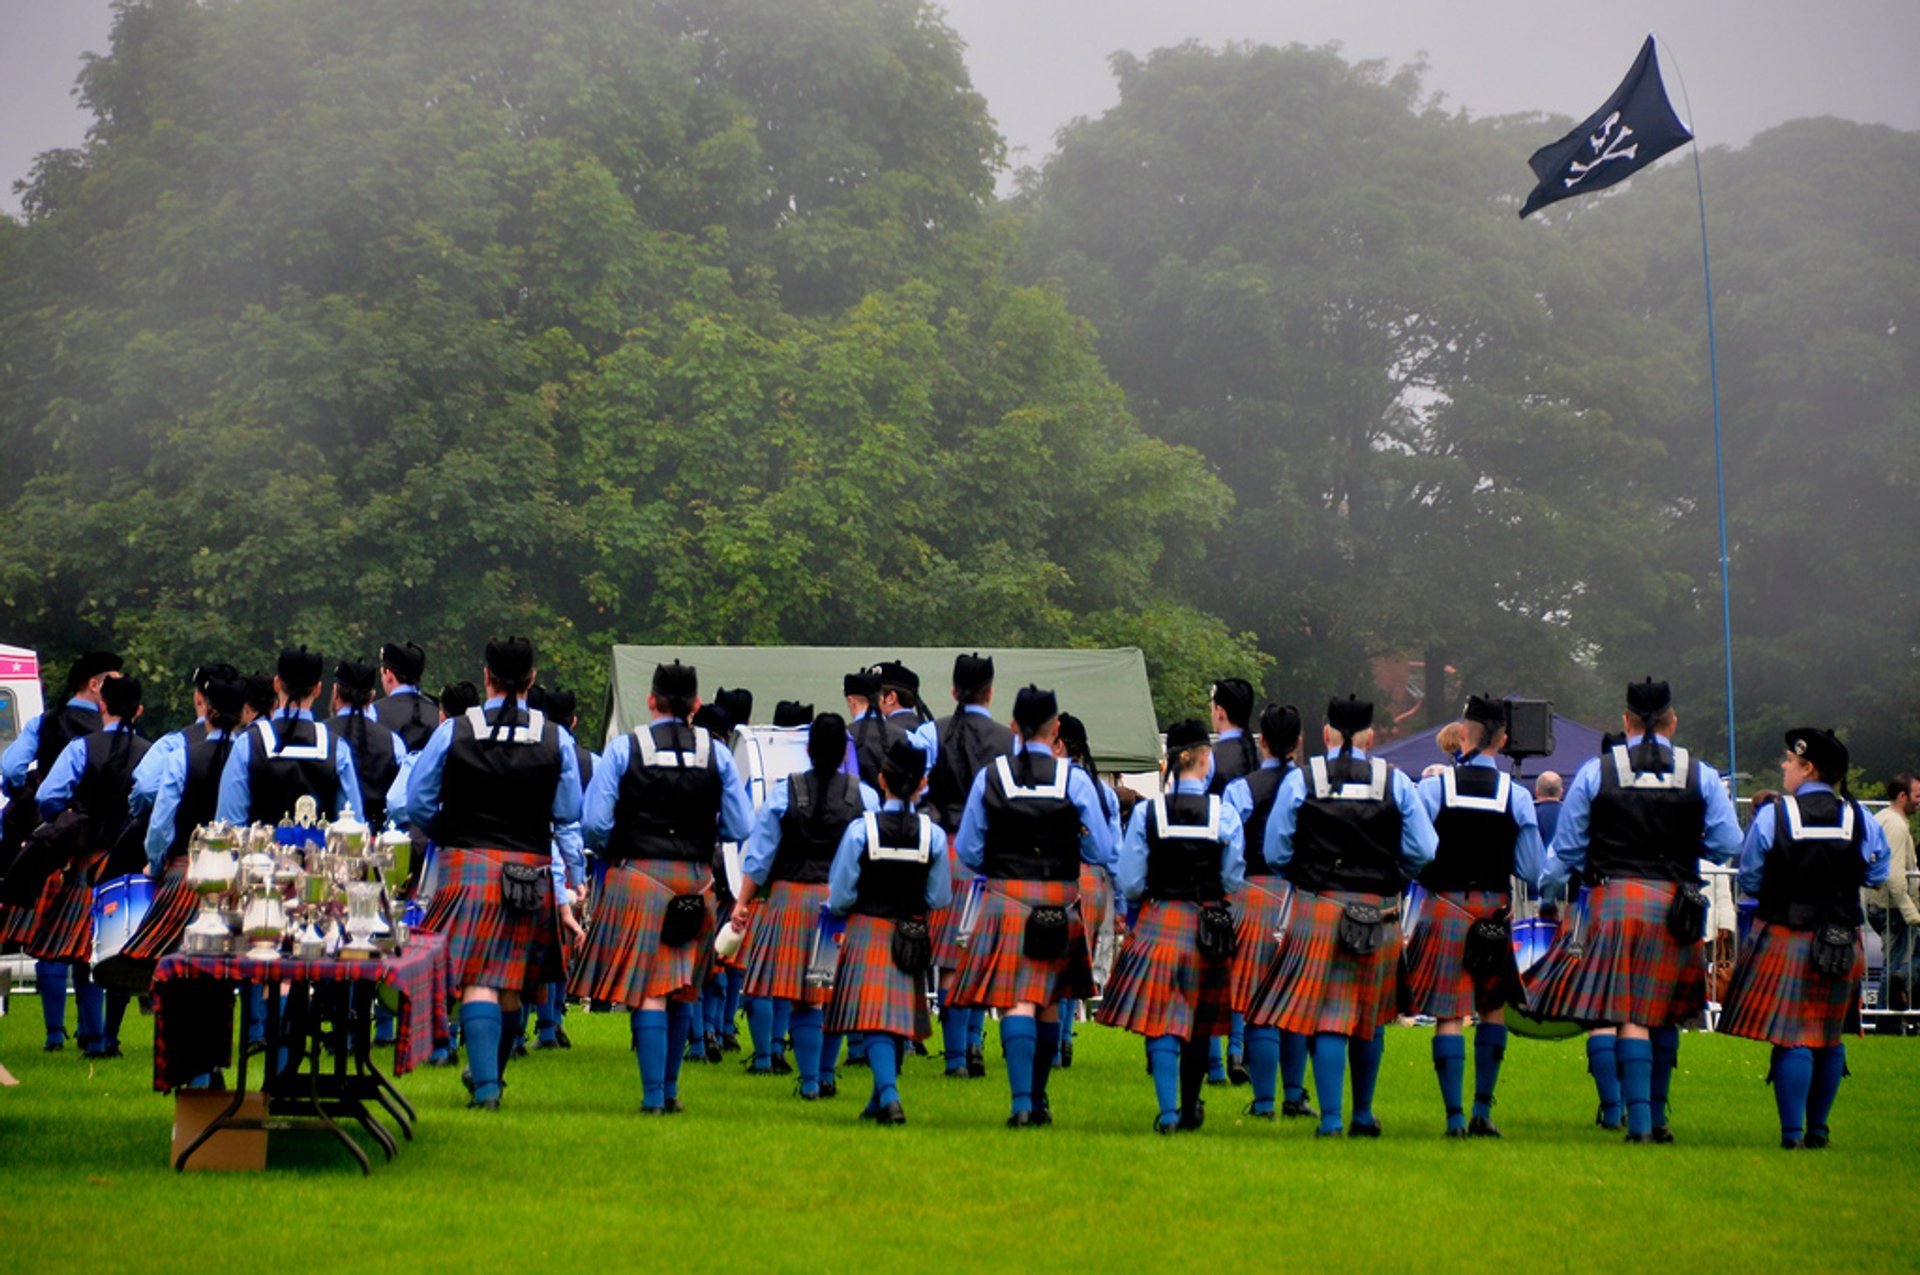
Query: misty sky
{"type": "Point", "coordinates": [1749, 64]}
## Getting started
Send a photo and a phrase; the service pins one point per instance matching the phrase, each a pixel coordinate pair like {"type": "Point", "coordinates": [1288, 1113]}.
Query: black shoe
{"type": "Point", "coordinates": [561, 1038]}
{"type": "Point", "coordinates": [804, 1096]}
{"type": "Point", "coordinates": [1482, 1127]}
{"type": "Point", "coordinates": [1816, 1142]}
{"type": "Point", "coordinates": [1369, 1130]}
{"type": "Point", "coordinates": [1600, 1118]}
{"type": "Point", "coordinates": [1661, 1134]}
{"type": "Point", "coordinates": [1020, 1120]}
{"type": "Point", "coordinates": [480, 1104]}
{"type": "Point", "coordinates": [752, 1070]}
{"type": "Point", "coordinates": [918, 1049]}
{"type": "Point", "coordinates": [1294, 1108]}
{"type": "Point", "coordinates": [1237, 1072]}
{"type": "Point", "coordinates": [1042, 1113]}
{"type": "Point", "coordinates": [466, 1078]}
{"type": "Point", "coordinates": [1329, 1133]}
{"type": "Point", "coordinates": [519, 1050]}
{"type": "Point", "coordinates": [548, 1044]}
{"type": "Point", "coordinates": [976, 1063]}
{"type": "Point", "coordinates": [1218, 1080]}
{"type": "Point", "coordinates": [1641, 1138]}
{"type": "Point", "coordinates": [1193, 1117]}
{"type": "Point", "coordinates": [1791, 1144]}
{"type": "Point", "coordinates": [672, 1107]}
{"type": "Point", "coordinates": [1251, 1114]}
{"type": "Point", "coordinates": [54, 1046]}
{"type": "Point", "coordinates": [1066, 1055]}
{"type": "Point", "coordinates": [957, 1073]}
{"type": "Point", "coordinates": [1164, 1129]}
{"type": "Point", "coordinates": [653, 1111]}
{"type": "Point", "coordinates": [781, 1067]}
{"type": "Point", "coordinates": [829, 1089]}
{"type": "Point", "coordinates": [729, 1043]}
{"type": "Point", "coordinates": [710, 1050]}
{"type": "Point", "coordinates": [890, 1114]}
{"type": "Point", "coordinates": [1460, 1133]}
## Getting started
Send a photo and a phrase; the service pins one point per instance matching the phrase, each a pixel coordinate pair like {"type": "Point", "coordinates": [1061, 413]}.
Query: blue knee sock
{"type": "Point", "coordinates": [1294, 1047]}
{"type": "Point", "coordinates": [257, 998]}
{"type": "Point", "coordinates": [116, 1014]}
{"type": "Point", "coordinates": [697, 1025]}
{"type": "Point", "coordinates": [1450, 1064]}
{"type": "Point", "coordinates": [1262, 1046]}
{"type": "Point", "coordinates": [830, 1057]}
{"type": "Point", "coordinates": [884, 1058]}
{"type": "Point", "coordinates": [1046, 1048]}
{"type": "Point", "coordinates": [51, 978]}
{"type": "Point", "coordinates": [953, 1034]}
{"type": "Point", "coordinates": [1666, 1053]}
{"type": "Point", "coordinates": [1792, 1076]}
{"type": "Point", "coordinates": [713, 1004]}
{"type": "Point", "coordinates": [805, 1025]}
{"type": "Point", "coordinates": [1489, 1049]}
{"type": "Point", "coordinates": [1364, 1056]}
{"type": "Point", "coordinates": [730, 1014]}
{"type": "Point", "coordinates": [88, 1008]}
{"type": "Point", "coordinates": [1829, 1067]}
{"type": "Point", "coordinates": [383, 1024]}
{"type": "Point", "coordinates": [1237, 1037]}
{"type": "Point", "coordinates": [782, 1021]}
{"type": "Point", "coordinates": [1063, 1033]}
{"type": "Point", "coordinates": [480, 1029]}
{"type": "Point", "coordinates": [760, 1027]}
{"type": "Point", "coordinates": [1329, 1077]}
{"type": "Point", "coordinates": [1018, 1038]}
{"type": "Point", "coordinates": [546, 1015]}
{"type": "Point", "coordinates": [1216, 1061]}
{"type": "Point", "coordinates": [857, 1047]}
{"type": "Point", "coordinates": [1636, 1082]}
{"type": "Point", "coordinates": [650, 1031]}
{"type": "Point", "coordinates": [1163, 1062]}
{"type": "Point", "coordinates": [512, 1023]}
{"type": "Point", "coordinates": [1605, 1069]}
{"type": "Point", "coordinates": [679, 1024]}
{"type": "Point", "coordinates": [977, 1029]}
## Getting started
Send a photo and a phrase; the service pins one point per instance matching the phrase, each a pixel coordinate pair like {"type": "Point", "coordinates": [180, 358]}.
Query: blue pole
{"type": "Point", "coordinates": [1719, 475]}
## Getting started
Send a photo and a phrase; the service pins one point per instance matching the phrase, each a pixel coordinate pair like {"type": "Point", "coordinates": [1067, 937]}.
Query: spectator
{"type": "Point", "coordinates": [1891, 909]}
{"type": "Point", "coordinates": [1547, 791]}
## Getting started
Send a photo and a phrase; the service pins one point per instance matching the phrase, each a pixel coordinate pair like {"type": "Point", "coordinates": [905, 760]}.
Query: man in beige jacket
{"type": "Point", "coordinates": [1891, 909]}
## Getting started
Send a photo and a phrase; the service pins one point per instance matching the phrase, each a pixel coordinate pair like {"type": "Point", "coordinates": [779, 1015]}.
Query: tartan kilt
{"type": "Point", "coordinates": [1096, 900]}
{"type": "Point", "coordinates": [1315, 985]}
{"type": "Point", "coordinates": [1434, 977]}
{"type": "Point", "coordinates": [1777, 996]}
{"type": "Point", "coordinates": [623, 961]}
{"type": "Point", "coordinates": [488, 946]}
{"type": "Point", "coordinates": [1257, 910]}
{"type": "Point", "coordinates": [16, 924]}
{"type": "Point", "coordinates": [870, 994]}
{"type": "Point", "coordinates": [780, 940]}
{"type": "Point", "coordinates": [1629, 969]}
{"type": "Point", "coordinates": [1161, 985]}
{"type": "Point", "coordinates": [174, 904]}
{"type": "Point", "coordinates": [944, 923]}
{"type": "Point", "coordinates": [996, 973]}
{"type": "Point", "coordinates": [63, 923]}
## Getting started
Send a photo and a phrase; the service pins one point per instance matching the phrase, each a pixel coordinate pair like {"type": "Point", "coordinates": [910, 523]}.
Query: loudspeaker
{"type": "Point", "coordinates": [1529, 728]}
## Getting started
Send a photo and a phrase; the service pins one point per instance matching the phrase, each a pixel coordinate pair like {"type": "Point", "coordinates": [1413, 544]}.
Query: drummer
{"type": "Point", "coordinates": [289, 755]}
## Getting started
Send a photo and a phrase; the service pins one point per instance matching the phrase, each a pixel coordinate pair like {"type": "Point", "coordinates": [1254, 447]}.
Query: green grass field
{"type": "Point", "coordinates": [750, 1178]}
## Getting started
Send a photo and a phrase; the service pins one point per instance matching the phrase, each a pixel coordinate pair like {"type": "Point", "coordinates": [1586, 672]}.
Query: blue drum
{"type": "Point", "coordinates": [1531, 939]}
{"type": "Point", "coordinates": [119, 906]}
{"type": "Point", "coordinates": [824, 961]}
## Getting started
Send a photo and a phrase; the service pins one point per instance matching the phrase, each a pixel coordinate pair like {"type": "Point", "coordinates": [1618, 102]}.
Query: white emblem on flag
{"type": "Point", "coordinates": [1608, 144]}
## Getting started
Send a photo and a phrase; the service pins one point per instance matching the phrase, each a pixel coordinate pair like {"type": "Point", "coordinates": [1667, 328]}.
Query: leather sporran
{"type": "Point", "coordinates": [686, 915]}
{"type": "Point", "coordinates": [1833, 950]}
{"type": "Point", "coordinates": [1046, 934]}
{"type": "Point", "coordinates": [523, 887]}
{"type": "Point", "coordinates": [1363, 928]}
{"type": "Point", "coordinates": [912, 947]}
{"type": "Point", "coordinates": [1687, 915]}
{"type": "Point", "coordinates": [1218, 939]}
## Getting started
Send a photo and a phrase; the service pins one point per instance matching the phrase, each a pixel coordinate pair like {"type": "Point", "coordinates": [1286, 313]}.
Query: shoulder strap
{"type": "Point", "coordinates": [1454, 800]}
{"type": "Point", "coordinates": [1799, 831]}
{"type": "Point", "coordinates": [1375, 789]}
{"type": "Point", "coordinates": [316, 751]}
{"type": "Point", "coordinates": [650, 752]}
{"type": "Point", "coordinates": [527, 732]}
{"type": "Point", "coordinates": [1053, 790]}
{"type": "Point", "coordinates": [1681, 776]}
{"type": "Point", "coordinates": [1168, 831]}
{"type": "Point", "coordinates": [920, 852]}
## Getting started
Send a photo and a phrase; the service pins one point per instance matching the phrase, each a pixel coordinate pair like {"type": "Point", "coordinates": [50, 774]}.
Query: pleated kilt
{"type": "Point", "coordinates": [1434, 979]}
{"type": "Point", "coordinates": [870, 994]}
{"type": "Point", "coordinates": [1161, 985]}
{"type": "Point", "coordinates": [996, 973]}
{"type": "Point", "coordinates": [944, 923]}
{"type": "Point", "coordinates": [63, 923]}
{"type": "Point", "coordinates": [1629, 969]}
{"type": "Point", "coordinates": [1315, 985]}
{"type": "Point", "coordinates": [624, 962]}
{"type": "Point", "coordinates": [488, 946]}
{"type": "Point", "coordinates": [1096, 900]}
{"type": "Point", "coordinates": [1258, 910]}
{"type": "Point", "coordinates": [1777, 996]}
{"type": "Point", "coordinates": [16, 924]}
{"type": "Point", "coordinates": [780, 940]}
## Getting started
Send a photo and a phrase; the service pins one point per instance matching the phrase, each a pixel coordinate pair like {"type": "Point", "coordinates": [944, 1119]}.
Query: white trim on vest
{"type": "Point", "coordinates": [527, 732]}
{"type": "Point", "coordinates": [1208, 831]}
{"type": "Point", "coordinates": [923, 853]}
{"type": "Point", "coordinates": [1843, 831]}
{"type": "Point", "coordinates": [1375, 789]}
{"type": "Point", "coordinates": [1497, 803]}
{"type": "Point", "coordinates": [1679, 777]}
{"type": "Point", "coordinates": [1054, 790]}
{"type": "Point", "coordinates": [650, 753]}
{"type": "Point", "coordinates": [316, 751]}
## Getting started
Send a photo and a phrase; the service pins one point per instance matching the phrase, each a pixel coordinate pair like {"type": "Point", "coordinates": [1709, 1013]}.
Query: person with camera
{"type": "Point", "coordinates": [1182, 857]}
{"type": "Point", "coordinates": [1636, 822]}
{"type": "Point", "coordinates": [1805, 859]}
{"type": "Point", "coordinates": [1460, 958]}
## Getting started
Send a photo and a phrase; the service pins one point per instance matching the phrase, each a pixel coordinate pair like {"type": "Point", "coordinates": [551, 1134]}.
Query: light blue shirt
{"type": "Point", "coordinates": [146, 776]}
{"type": "Point", "coordinates": [1227, 736]}
{"type": "Point", "coordinates": [1239, 794]}
{"type": "Point", "coordinates": [429, 767]}
{"type": "Point", "coordinates": [236, 796]}
{"type": "Point", "coordinates": [56, 787]}
{"type": "Point", "coordinates": [925, 735]}
{"type": "Point", "coordinates": [17, 760]}
{"type": "Point", "coordinates": [400, 752]}
{"type": "Point", "coordinates": [1529, 855]}
{"type": "Point", "coordinates": [1418, 840]}
{"type": "Point", "coordinates": [603, 792]}
{"type": "Point", "coordinates": [843, 879]}
{"type": "Point", "coordinates": [1131, 876]}
{"type": "Point", "coordinates": [1874, 850]}
{"type": "Point", "coordinates": [763, 844]}
{"type": "Point", "coordinates": [169, 786]}
{"type": "Point", "coordinates": [1568, 854]}
{"type": "Point", "coordinates": [397, 792]}
{"type": "Point", "coordinates": [1096, 826]}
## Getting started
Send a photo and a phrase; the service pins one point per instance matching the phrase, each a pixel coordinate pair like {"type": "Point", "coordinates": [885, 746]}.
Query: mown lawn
{"type": "Point", "coordinates": [752, 1179]}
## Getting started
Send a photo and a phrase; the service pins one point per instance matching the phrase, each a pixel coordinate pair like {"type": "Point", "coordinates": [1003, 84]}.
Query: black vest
{"type": "Point", "coordinates": [374, 765]}
{"type": "Point", "coordinates": [1233, 758]}
{"type": "Point", "coordinates": [1477, 832]}
{"type": "Point", "coordinates": [872, 736]}
{"type": "Point", "coordinates": [412, 717]}
{"type": "Point", "coordinates": [584, 755]}
{"type": "Point", "coordinates": [107, 782]}
{"type": "Point", "coordinates": [1033, 829]}
{"type": "Point", "coordinates": [58, 728]}
{"type": "Point", "coordinates": [968, 741]}
{"type": "Point", "coordinates": [894, 865]}
{"type": "Point", "coordinates": [669, 807]}
{"type": "Point", "coordinates": [1264, 787]}
{"type": "Point", "coordinates": [285, 762]}
{"type": "Point", "coordinates": [1348, 832]}
{"type": "Point", "coordinates": [1184, 848]}
{"type": "Point", "coordinates": [1813, 874]}
{"type": "Point", "coordinates": [1649, 828]}
{"type": "Point", "coordinates": [497, 790]}
{"type": "Point", "coordinates": [808, 841]}
{"type": "Point", "coordinates": [200, 795]}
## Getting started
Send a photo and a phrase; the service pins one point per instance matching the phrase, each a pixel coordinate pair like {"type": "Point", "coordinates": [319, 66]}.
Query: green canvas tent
{"type": "Point", "coordinates": [1105, 689]}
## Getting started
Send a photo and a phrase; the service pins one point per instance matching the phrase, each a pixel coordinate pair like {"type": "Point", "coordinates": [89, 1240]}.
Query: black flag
{"type": "Point", "coordinates": [1635, 127]}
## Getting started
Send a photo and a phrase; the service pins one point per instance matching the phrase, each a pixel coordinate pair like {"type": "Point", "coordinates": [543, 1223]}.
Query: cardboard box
{"type": "Point", "coordinates": [230, 1150]}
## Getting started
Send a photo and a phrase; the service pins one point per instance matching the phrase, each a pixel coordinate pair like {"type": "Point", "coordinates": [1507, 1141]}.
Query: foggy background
{"type": "Point", "coordinates": [1748, 64]}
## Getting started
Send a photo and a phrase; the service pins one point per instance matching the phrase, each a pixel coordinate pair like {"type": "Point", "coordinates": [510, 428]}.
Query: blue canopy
{"type": "Point", "coordinates": [1572, 744]}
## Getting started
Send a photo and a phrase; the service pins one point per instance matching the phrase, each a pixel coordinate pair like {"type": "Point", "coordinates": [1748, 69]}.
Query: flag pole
{"type": "Point", "coordinates": [1719, 463]}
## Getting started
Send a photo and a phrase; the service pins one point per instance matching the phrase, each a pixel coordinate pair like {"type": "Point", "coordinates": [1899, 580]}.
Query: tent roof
{"type": "Point", "coordinates": [1106, 689]}
{"type": "Point", "coordinates": [1572, 744]}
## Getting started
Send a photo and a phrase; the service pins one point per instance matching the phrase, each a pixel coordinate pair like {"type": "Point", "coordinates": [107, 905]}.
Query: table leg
{"type": "Point", "coordinates": [219, 1122]}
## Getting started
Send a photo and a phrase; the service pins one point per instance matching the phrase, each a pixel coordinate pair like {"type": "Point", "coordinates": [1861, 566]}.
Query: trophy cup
{"type": "Point", "coordinates": [211, 869]}
{"type": "Point", "coordinates": [264, 921]}
{"type": "Point", "coordinates": [363, 920]}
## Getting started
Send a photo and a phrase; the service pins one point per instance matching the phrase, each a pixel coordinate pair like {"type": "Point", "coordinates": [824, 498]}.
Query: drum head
{"type": "Point", "coordinates": [1526, 1025]}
